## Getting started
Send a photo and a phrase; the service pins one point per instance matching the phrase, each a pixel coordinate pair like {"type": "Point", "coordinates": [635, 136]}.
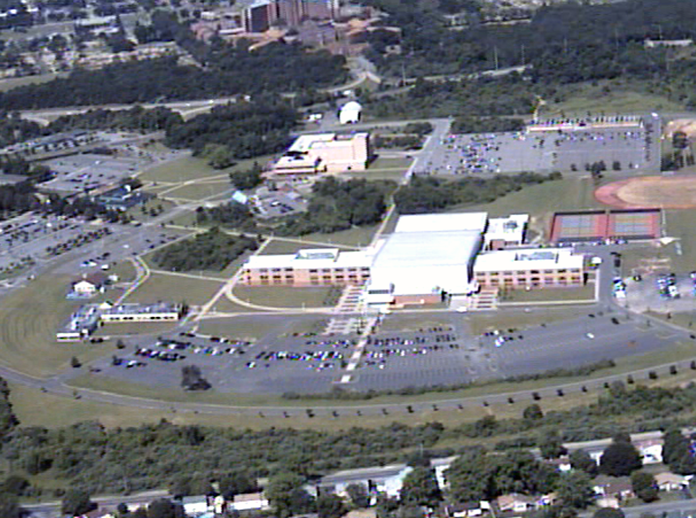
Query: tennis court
{"type": "Point", "coordinates": [600, 226]}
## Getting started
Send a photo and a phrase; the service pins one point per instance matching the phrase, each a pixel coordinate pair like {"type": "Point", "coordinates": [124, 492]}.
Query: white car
{"type": "Point", "coordinates": [590, 336]}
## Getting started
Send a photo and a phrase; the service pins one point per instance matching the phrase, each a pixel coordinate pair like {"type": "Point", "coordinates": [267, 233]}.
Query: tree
{"type": "Point", "coordinates": [330, 506]}
{"type": "Point", "coordinates": [163, 508]}
{"type": "Point", "coordinates": [533, 412]}
{"type": "Point", "coordinates": [677, 453]}
{"type": "Point", "coordinates": [75, 363]}
{"type": "Point", "coordinates": [608, 512]}
{"type": "Point", "coordinates": [420, 488]}
{"type": "Point", "coordinates": [76, 502]}
{"type": "Point", "coordinates": [581, 460]}
{"type": "Point", "coordinates": [15, 485]}
{"type": "Point", "coordinates": [358, 495]}
{"type": "Point", "coordinates": [574, 490]}
{"type": "Point", "coordinates": [9, 508]}
{"type": "Point", "coordinates": [551, 445]}
{"type": "Point", "coordinates": [192, 379]}
{"type": "Point", "coordinates": [644, 486]}
{"type": "Point", "coordinates": [620, 459]}
{"type": "Point", "coordinates": [286, 495]}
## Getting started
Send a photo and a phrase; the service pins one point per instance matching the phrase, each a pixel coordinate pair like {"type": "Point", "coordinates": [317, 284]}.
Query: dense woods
{"type": "Point", "coordinates": [211, 250]}
{"type": "Point", "coordinates": [428, 194]}
{"type": "Point", "coordinates": [241, 130]}
{"type": "Point", "coordinates": [339, 205]}
{"type": "Point", "coordinates": [276, 67]}
{"type": "Point", "coordinates": [186, 458]}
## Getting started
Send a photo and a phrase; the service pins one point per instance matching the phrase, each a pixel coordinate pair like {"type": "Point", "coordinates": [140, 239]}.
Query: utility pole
{"type": "Point", "coordinates": [495, 56]}
{"type": "Point", "coordinates": [523, 56]}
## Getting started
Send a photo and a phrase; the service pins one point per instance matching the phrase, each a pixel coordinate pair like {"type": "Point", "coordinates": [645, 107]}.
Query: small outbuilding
{"type": "Point", "coordinates": [350, 113]}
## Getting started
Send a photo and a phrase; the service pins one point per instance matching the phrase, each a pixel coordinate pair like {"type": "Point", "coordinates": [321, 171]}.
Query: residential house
{"type": "Point", "coordinates": [613, 487]}
{"type": "Point", "coordinates": [383, 479]}
{"type": "Point", "coordinates": [250, 502]}
{"type": "Point", "coordinates": [667, 481]}
{"type": "Point", "coordinates": [516, 503]}
{"type": "Point", "coordinates": [466, 510]}
{"type": "Point", "coordinates": [651, 451]}
{"type": "Point", "coordinates": [90, 284]}
{"type": "Point", "coordinates": [195, 505]}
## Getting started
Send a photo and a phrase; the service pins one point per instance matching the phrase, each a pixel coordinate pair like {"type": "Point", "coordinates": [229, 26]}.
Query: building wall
{"type": "Point", "coordinates": [405, 300]}
{"type": "Point", "coordinates": [139, 317]}
{"type": "Point", "coordinates": [305, 276]}
{"type": "Point", "coordinates": [335, 156]}
{"type": "Point", "coordinates": [532, 278]}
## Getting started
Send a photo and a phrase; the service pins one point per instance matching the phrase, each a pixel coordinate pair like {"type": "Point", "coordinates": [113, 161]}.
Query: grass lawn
{"type": "Point", "coordinates": [610, 99]}
{"type": "Point", "coordinates": [586, 292]}
{"type": "Point", "coordinates": [391, 163]}
{"type": "Point", "coordinates": [504, 319]}
{"type": "Point", "coordinates": [255, 329]}
{"type": "Point", "coordinates": [169, 288]}
{"type": "Point", "coordinates": [191, 168]}
{"type": "Point", "coordinates": [201, 191]}
{"type": "Point", "coordinates": [14, 82]}
{"type": "Point", "coordinates": [541, 201]}
{"type": "Point", "coordinates": [277, 246]}
{"type": "Point", "coordinates": [142, 212]}
{"type": "Point", "coordinates": [284, 296]}
{"type": "Point", "coordinates": [679, 256]}
{"type": "Point", "coordinates": [357, 237]}
{"type": "Point", "coordinates": [29, 319]}
{"type": "Point", "coordinates": [180, 170]}
{"type": "Point", "coordinates": [124, 269]}
{"type": "Point", "coordinates": [394, 175]}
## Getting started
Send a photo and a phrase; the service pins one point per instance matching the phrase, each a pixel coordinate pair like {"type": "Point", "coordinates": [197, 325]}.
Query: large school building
{"type": "Point", "coordinates": [427, 259]}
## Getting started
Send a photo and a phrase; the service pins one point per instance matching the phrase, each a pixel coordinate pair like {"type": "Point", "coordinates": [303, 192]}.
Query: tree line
{"type": "Point", "coordinates": [229, 71]}
{"type": "Point", "coordinates": [336, 205]}
{"type": "Point", "coordinates": [211, 250]}
{"type": "Point", "coordinates": [426, 194]}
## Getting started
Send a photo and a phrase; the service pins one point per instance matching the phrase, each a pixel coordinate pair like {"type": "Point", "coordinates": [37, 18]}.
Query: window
{"type": "Point", "coordinates": [313, 271]}
{"type": "Point", "coordinates": [275, 270]}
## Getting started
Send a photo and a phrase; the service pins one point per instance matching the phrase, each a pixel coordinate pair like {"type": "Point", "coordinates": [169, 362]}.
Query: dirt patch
{"type": "Point", "coordinates": [670, 192]}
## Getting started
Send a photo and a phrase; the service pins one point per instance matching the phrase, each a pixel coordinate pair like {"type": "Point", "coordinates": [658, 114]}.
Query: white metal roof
{"type": "Point", "coordinates": [463, 221]}
{"type": "Point", "coordinates": [528, 259]}
{"type": "Point", "coordinates": [314, 258]}
{"type": "Point", "coordinates": [419, 263]}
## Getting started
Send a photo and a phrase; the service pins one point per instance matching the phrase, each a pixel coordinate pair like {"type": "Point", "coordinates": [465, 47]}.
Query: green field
{"type": "Point", "coordinates": [284, 296]}
{"type": "Point", "coordinates": [278, 246]}
{"type": "Point", "coordinates": [202, 191]}
{"type": "Point", "coordinates": [180, 170]}
{"type": "Point", "coordinates": [191, 168]}
{"type": "Point", "coordinates": [14, 82]}
{"type": "Point", "coordinates": [607, 98]}
{"type": "Point", "coordinates": [541, 201]}
{"type": "Point", "coordinates": [586, 292]}
{"type": "Point", "coordinates": [357, 237]}
{"type": "Point", "coordinates": [248, 329]}
{"type": "Point", "coordinates": [168, 288]}
{"type": "Point", "coordinates": [29, 319]}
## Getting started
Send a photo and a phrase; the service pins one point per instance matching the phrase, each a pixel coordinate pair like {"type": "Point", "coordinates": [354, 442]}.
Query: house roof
{"type": "Point", "coordinates": [668, 477]}
{"type": "Point", "coordinates": [249, 497]}
{"type": "Point", "coordinates": [350, 475]}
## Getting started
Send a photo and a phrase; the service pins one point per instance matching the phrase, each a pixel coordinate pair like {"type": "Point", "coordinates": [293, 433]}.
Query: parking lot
{"type": "Point", "coordinates": [81, 173]}
{"type": "Point", "coordinates": [446, 354]}
{"type": "Point", "coordinates": [544, 151]}
{"type": "Point", "coordinates": [665, 293]}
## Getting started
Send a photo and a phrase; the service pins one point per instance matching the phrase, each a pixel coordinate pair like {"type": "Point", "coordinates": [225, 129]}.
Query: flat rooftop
{"type": "Point", "coordinates": [464, 221]}
{"type": "Point", "coordinates": [530, 259]}
{"type": "Point", "coordinates": [312, 258]}
{"type": "Point", "coordinates": [507, 229]}
{"type": "Point", "coordinates": [141, 309]}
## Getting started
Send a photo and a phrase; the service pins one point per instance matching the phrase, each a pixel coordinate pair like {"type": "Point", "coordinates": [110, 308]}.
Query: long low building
{"type": "Point", "coordinates": [162, 311]}
{"type": "Point", "coordinates": [427, 257]}
{"type": "Point", "coordinates": [309, 267]}
{"type": "Point", "coordinates": [325, 153]}
{"type": "Point", "coordinates": [530, 268]}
